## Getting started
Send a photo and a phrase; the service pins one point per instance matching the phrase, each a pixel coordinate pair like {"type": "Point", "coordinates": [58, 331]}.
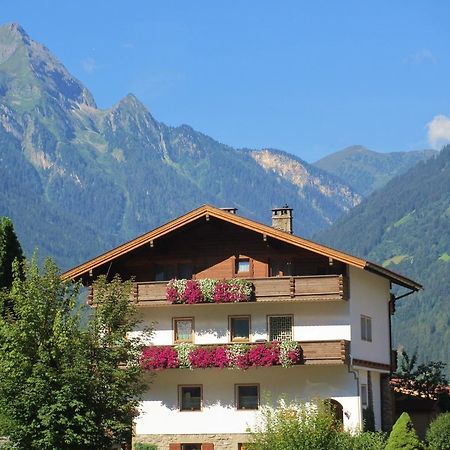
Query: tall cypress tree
{"type": "Point", "coordinates": [10, 249]}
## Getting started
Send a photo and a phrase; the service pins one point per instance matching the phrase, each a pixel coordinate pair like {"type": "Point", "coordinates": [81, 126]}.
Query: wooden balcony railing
{"type": "Point", "coordinates": [271, 289]}
{"type": "Point", "coordinates": [311, 352]}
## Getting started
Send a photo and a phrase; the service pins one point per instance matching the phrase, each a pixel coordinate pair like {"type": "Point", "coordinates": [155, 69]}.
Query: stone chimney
{"type": "Point", "coordinates": [282, 218]}
{"type": "Point", "coordinates": [230, 210]}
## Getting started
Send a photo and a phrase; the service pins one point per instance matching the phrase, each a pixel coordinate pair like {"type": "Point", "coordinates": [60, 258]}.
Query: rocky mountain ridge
{"type": "Point", "coordinates": [70, 169]}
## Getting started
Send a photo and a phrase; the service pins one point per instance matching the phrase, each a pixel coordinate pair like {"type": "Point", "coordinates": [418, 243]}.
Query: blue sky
{"type": "Point", "coordinates": [306, 77]}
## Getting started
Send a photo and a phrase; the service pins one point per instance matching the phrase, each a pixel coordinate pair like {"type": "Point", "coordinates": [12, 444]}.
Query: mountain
{"type": "Point", "coordinates": [366, 170]}
{"type": "Point", "coordinates": [406, 227]}
{"type": "Point", "coordinates": [77, 180]}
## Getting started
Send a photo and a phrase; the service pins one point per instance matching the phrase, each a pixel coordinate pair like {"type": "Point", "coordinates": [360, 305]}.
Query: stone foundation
{"type": "Point", "coordinates": [220, 441]}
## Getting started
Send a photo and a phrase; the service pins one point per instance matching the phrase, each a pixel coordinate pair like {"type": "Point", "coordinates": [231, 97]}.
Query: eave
{"type": "Point", "coordinates": [208, 211]}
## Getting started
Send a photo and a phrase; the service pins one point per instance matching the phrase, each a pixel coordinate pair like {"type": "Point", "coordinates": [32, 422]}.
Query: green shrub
{"type": "Point", "coordinates": [368, 419]}
{"type": "Point", "coordinates": [438, 433]}
{"type": "Point", "coordinates": [369, 441]}
{"type": "Point", "coordinates": [403, 435]}
{"type": "Point", "coordinates": [144, 446]}
{"type": "Point", "coordinates": [297, 427]}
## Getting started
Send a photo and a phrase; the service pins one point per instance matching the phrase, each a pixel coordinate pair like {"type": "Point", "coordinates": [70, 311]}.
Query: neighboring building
{"type": "Point", "coordinates": [336, 306]}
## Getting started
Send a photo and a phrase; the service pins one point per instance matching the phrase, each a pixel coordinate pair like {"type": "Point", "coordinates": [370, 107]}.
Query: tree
{"type": "Point", "coordinates": [427, 380]}
{"type": "Point", "coordinates": [403, 435]}
{"type": "Point", "coordinates": [65, 384]}
{"type": "Point", "coordinates": [10, 249]}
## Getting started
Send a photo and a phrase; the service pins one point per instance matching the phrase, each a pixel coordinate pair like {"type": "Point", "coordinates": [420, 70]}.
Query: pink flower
{"type": "Point", "coordinates": [263, 355]}
{"type": "Point", "coordinates": [192, 293]}
{"type": "Point", "coordinates": [159, 357]}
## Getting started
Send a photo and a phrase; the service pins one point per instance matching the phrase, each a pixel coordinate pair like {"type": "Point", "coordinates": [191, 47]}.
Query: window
{"type": "Point", "coordinates": [242, 265]}
{"type": "Point", "coordinates": [240, 329]}
{"type": "Point", "coordinates": [242, 446]}
{"type": "Point", "coordinates": [366, 328]}
{"type": "Point", "coordinates": [364, 397]}
{"type": "Point", "coordinates": [190, 398]}
{"type": "Point", "coordinates": [280, 328]}
{"type": "Point", "coordinates": [183, 329]}
{"type": "Point", "coordinates": [191, 446]}
{"type": "Point", "coordinates": [247, 396]}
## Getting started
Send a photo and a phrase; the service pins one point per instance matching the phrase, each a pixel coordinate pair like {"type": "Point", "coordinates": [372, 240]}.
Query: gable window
{"type": "Point", "coordinates": [242, 265]}
{"type": "Point", "coordinates": [183, 329]}
{"type": "Point", "coordinates": [239, 328]}
{"type": "Point", "coordinates": [247, 396]}
{"type": "Point", "coordinates": [366, 328]}
{"type": "Point", "coordinates": [364, 396]}
{"type": "Point", "coordinates": [190, 398]}
{"type": "Point", "coordinates": [280, 328]}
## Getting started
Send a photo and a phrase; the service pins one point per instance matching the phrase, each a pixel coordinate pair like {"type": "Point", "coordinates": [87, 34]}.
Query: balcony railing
{"type": "Point", "coordinates": [306, 353]}
{"type": "Point", "coordinates": [271, 289]}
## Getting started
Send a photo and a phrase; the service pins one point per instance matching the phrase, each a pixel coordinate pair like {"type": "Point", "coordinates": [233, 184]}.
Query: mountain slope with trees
{"type": "Point", "coordinates": [77, 180]}
{"type": "Point", "coordinates": [366, 170]}
{"type": "Point", "coordinates": [406, 227]}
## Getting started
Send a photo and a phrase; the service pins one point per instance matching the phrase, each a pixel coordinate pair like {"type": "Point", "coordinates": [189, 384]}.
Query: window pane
{"type": "Point", "coordinates": [240, 328]}
{"type": "Point", "coordinates": [364, 395]}
{"type": "Point", "coordinates": [280, 328]}
{"type": "Point", "coordinates": [247, 397]}
{"type": "Point", "coordinates": [243, 265]}
{"type": "Point", "coordinates": [183, 330]}
{"type": "Point", "coordinates": [191, 398]}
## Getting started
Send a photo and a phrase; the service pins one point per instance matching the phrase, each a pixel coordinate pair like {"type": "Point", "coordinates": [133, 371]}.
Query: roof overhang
{"type": "Point", "coordinates": [211, 211]}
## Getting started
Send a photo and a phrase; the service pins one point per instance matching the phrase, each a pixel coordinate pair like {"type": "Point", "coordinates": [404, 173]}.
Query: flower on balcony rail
{"type": "Point", "coordinates": [208, 290]}
{"type": "Point", "coordinates": [238, 356]}
{"type": "Point", "coordinates": [159, 357]}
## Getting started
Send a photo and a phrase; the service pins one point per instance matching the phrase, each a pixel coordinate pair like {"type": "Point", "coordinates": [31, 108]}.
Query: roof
{"type": "Point", "coordinates": [211, 211]}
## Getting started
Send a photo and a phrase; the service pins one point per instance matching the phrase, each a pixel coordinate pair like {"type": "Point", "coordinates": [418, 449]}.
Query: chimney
{"type": "Point", "coordinates": [230, 210]}
{"type": "Point", "coordinates": [282, 219]}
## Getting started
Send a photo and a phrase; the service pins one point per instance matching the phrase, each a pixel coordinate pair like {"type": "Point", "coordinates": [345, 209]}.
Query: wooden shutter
{"type": "Point", "coordinates": [174, 446]}
{"type": "Point", "coordinates": [207, 446]}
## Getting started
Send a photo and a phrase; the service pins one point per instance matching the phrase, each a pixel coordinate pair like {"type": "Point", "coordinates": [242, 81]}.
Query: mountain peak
{"type": "Point", "coordinates": [33, 69]}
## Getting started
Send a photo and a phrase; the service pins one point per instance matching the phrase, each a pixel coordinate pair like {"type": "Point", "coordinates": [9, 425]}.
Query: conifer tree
{"type": "Point", "coordinates": [10, 249]}
{"type": "Point", "coordinates": [403, 435]}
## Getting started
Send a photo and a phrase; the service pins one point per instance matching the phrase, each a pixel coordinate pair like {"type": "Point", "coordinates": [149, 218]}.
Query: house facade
{"type": "Point", "coordinates": [255, 314]}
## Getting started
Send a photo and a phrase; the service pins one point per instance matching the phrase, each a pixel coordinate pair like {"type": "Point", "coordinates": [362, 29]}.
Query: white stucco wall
{"type": "Point", "coordinates": [160, 412]}
{"type": "Point", "coordinates": [369, 296]}
{"type": "Point", "coordinates": [312, 321]}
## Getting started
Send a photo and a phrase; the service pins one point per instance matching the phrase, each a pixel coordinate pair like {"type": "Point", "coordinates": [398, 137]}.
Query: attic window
{"type": "Point", "coordinates": [243, 265]}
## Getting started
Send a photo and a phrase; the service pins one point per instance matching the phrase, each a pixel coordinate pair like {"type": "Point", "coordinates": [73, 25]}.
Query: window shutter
{"type": "Point", "coordinates": [207, 446]}
{"type": "Point", "coordinates": [174, 446]}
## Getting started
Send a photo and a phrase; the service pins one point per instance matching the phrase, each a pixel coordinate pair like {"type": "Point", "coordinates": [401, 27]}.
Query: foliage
{"type": "Point", "coordinates": [65, 384]}
{"type": "Point", "coordinates": [409, 216]}
{"type": "Point", "coordinates": [10, 249]}
{"type": "Point", "coordinates": [427, 380]}
{"type": "Point", "coordinates": [145, 446]}
{"type": "Point", "coordinates": [403, 435]}
{"type": "Point", "coordinates": [438, 432]}
{"type": "Point", "coordinates": [306, 426]}
{"type": "Point", "coordinates": [368, 419]}
{"type": "Point", "coordinates": [240, 356]}
{"type": "Point", "coordinates": [208, 290]}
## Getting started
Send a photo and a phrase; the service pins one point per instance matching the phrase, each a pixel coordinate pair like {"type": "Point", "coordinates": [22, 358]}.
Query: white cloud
{"type": "Point", "coordinates": [439, 131]}
{"type": "Point", "coordinates": [421, 57]}
{"type": "Point", "coordinates": [89, 65]}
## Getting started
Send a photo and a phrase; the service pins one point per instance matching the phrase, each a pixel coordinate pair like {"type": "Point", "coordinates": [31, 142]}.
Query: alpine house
{"type": "Point", "coordinates": [244, 313]}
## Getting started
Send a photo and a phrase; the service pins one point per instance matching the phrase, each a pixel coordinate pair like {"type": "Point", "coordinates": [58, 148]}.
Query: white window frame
{"type": "Point", "coordinates": [366, 328]}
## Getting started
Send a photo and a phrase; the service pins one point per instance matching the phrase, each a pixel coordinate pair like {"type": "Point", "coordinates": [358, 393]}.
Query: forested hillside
{"type": "Point", "coordinates": [366, 170]}
{"type": "Point", "coordinates": [77, 180]}
{"type": "Point", "coordinates": [406, 227]}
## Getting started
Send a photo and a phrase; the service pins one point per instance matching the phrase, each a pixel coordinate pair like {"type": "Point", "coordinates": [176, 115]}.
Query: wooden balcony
{"type": "Point", "coordinates": [319, 288]}
{"type": "Point", "coordinates": [311, 352]}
